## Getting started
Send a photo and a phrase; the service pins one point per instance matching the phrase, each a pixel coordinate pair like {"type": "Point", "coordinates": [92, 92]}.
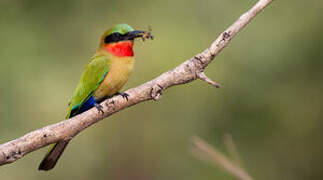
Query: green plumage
{"type": "Point", "coordinates": [91, 78]}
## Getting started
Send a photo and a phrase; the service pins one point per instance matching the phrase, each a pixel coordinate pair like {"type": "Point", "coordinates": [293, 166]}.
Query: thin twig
{"type": "Point", "coordinates": [232, 149]}
{"type": "Point", "coordinates": [206, 152]}
{"type": "Point", "coordinates": [184, 73]}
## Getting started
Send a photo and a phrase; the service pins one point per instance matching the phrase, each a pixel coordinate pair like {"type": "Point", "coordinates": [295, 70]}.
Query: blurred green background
{"type": "Point", "coordinates": [270, 100]}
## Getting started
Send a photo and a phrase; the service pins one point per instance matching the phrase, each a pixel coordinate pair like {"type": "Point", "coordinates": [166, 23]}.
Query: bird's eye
{"type": "Point", "coordinates": [114, 37]}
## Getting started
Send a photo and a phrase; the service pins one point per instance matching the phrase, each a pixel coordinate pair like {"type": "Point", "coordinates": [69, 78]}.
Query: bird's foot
{"type": "Point", "coordinates": [99, 108]}
{"type": "Point", "coordinates": [124, 95]}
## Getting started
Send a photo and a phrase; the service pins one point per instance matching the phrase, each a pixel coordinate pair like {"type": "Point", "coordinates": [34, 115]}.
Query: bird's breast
{"type": "Point", "coordinates": [118, 74]}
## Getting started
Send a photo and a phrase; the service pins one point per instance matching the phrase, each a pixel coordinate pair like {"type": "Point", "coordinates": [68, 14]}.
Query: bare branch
{"type": "Point", "coordinates": [232, 149]}
{"type": "Point", "coordinates": [203, 77]}
{"type": "Point", "coordinates": [206, 152]}
{"type": "Point", "coordinates": [186, 72]}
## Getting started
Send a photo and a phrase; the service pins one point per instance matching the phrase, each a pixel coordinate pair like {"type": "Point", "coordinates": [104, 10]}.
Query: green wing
{"type": "Point", "coordinates": [91, 78]}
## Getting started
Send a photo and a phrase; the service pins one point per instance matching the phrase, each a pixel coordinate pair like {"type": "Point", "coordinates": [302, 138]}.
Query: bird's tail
{"type": "Point", "coordinates": [52, 156]}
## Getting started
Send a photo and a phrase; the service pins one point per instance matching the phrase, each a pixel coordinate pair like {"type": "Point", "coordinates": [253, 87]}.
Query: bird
{"type": "Point", "coordinates": [102, 78]}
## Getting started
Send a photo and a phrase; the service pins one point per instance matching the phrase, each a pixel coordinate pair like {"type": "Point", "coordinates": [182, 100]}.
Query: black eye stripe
{"type": "Point", "coordinates": [114, 37]}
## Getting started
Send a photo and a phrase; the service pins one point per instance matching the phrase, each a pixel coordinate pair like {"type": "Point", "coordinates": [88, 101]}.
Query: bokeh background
{"type": "Point", "coordinates": [270, 100]}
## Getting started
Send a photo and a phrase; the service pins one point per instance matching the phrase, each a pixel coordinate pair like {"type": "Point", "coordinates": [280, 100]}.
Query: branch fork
{"type": "Point", "coordinates": [202, 76]}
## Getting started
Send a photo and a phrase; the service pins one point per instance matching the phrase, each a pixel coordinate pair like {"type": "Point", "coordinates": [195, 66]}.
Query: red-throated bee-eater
{"type": "Point", "coordinates": [102, 78]}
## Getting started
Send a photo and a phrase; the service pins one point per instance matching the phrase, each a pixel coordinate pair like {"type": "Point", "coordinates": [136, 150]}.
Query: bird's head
{"type": "Point", "coordinates": [120, 38]}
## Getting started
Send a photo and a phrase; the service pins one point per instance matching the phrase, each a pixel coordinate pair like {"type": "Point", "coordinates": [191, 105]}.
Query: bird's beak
{"type": "Point", "coordinates": [136, 34]}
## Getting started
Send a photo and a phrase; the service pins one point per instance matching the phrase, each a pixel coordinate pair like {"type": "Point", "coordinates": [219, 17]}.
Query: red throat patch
{"type": "Point", "coordinates": [122, 48]}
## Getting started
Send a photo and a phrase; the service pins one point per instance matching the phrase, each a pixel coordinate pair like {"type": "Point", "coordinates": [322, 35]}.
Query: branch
{"type": "Point", "coordinates": [206, 152]}
{"type": "Point", "coordinates": [188, 71]}
{"type": "Point", "coordinates": [231, 148]}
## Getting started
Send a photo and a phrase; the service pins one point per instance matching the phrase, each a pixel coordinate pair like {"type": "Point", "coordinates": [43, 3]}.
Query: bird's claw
{"type": "Point", "coordinates": [124, 95]}
{"type": "Point", "coordinates": [99, 108]}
